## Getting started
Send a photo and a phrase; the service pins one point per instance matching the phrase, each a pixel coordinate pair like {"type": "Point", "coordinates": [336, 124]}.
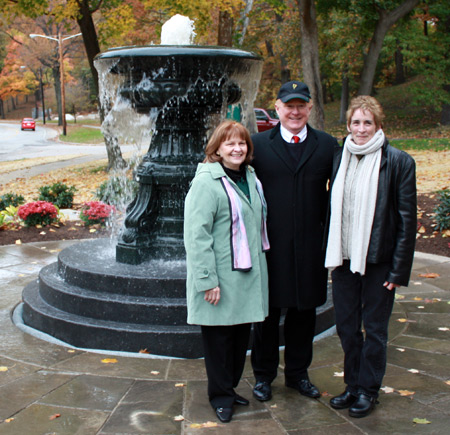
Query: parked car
{"type": "Point", "coordinates": [28, 124]}
{"type": "Point", "coordinates": [265, 119]}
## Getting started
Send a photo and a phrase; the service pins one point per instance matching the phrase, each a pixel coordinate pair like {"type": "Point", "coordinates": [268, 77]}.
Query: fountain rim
{"type": "Point", "coordinates": [175, 50]}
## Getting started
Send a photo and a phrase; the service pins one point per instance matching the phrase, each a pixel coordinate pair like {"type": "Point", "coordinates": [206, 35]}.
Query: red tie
{"type": "Point", "coordinates": [296, 139]}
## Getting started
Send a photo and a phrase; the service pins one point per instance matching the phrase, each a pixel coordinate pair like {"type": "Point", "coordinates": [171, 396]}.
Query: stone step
{"type": "Point", "coordinates": [109, 306]}
{"type": "Point", "coordinates": [84, 332]}
{"type": "Point", "coordinates": [92, 265]}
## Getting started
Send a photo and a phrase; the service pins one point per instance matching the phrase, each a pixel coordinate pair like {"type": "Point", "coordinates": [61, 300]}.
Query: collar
{"type": "Point", "coordinates": [287, 135]}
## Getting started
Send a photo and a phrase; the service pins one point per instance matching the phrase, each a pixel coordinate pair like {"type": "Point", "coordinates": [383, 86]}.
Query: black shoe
{"type": "Point", "coordinates": [262, 391]}
{"type": "Point", "coordinates": [303, 386]}
{"type": "Point", "coordinates": [344, 400]}
{"type": "Point", "coordinates": [239, 400]}
{"type": "Point", "coordinates": [224, 414]}
{"type": "Point", "coordinates": [363, 406]}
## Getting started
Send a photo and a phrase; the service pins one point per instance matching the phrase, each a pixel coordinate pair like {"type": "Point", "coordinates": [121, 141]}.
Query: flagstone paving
{"type": "Point", "coordinates": [48, 388]}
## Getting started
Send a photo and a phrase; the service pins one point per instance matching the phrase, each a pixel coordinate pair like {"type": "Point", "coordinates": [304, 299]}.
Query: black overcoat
{"type": "Point", "coordinates": [297, 200]}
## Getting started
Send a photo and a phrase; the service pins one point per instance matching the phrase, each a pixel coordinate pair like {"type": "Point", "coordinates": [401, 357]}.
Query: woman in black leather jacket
{"type": "Point", "coordinates": [371, 238]}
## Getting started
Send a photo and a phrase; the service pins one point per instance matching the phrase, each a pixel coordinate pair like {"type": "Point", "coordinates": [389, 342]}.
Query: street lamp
{"type": "Point", "coordinates": [59, 40]}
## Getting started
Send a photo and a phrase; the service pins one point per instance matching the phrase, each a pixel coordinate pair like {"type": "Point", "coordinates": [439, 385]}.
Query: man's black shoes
{"type": "Point", "coordinates": [262, 391]}
{"type": "Point", "coordinates": [344, 400]}
{"type": "Point", "coordinates": [303, 386]}
{"type": "Point", "coordinates": [363, 406]}
{"type": "Point", "coordinates": [239, 400]}
{"type": "Point", "coordinates": [224, 414]}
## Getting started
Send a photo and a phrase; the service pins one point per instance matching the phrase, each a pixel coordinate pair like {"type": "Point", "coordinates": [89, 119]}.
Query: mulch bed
{"type": "Point", "coordinates": [430, 242]}
{"type": "Point", "coordinates": [70, 230]}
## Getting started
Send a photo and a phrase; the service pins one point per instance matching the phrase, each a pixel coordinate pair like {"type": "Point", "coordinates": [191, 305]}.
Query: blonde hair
{"type": "Point", "coordinates": [224, 131]}
{"type": "Point", "coordinates": [366, 103]}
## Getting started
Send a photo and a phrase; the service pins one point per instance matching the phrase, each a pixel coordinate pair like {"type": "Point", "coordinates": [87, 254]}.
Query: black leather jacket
{"type": "Point", "coordinates": [394, 227]}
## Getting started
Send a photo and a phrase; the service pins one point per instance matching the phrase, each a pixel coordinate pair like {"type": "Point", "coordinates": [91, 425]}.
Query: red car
{"type": "Point", "coordinates": [266, 119]}
{"type": "Point", "coordinates": [28, 124]}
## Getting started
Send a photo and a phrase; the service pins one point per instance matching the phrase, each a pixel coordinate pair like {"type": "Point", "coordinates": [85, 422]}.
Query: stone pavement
{"type": "Point", "coordinates": [48, 388]}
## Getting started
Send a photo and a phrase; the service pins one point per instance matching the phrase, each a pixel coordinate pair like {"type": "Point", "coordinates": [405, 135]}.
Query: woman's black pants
{"type": "Point", "coordinates": [225, 349]}
{"type": "Point", "coordinates": [363, 299]}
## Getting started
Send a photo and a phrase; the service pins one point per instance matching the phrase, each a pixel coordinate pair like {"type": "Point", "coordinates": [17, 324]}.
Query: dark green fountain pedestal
{"type": "Point", "coordinates": [191, 87]}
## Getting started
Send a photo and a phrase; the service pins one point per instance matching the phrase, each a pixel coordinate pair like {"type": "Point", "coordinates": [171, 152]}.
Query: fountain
{"type": "Point", "coordinates": [133, 297]}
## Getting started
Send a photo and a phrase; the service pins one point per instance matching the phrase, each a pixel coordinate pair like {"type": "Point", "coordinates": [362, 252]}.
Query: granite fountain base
{"type": "Point", "coordinates": [89, 300]}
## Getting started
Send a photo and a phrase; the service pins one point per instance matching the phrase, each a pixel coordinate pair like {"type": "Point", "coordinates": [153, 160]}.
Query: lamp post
{"type": "Point", "coordinates": [59, 40]}
{"type": "Point", "coordinates": [42, 94]}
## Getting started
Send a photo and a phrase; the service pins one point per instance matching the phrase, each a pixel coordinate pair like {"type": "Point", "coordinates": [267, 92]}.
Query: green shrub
{"type": "Point", "coordinates": [442, 211]}
{"type": "Point", "coordinates": [58, 194]}
{"type": "Point", "coordinates": [117, 191]}
{"type": "Point", "coordinates": [10, 199]}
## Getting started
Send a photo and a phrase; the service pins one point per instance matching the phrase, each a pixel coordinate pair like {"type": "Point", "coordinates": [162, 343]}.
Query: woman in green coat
{"type": "Point", "coordinates": [225, 239]}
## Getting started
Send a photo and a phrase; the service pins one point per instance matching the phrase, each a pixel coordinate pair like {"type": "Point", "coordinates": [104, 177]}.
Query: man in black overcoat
{"type": "Point", "coordinates": [294, 163]}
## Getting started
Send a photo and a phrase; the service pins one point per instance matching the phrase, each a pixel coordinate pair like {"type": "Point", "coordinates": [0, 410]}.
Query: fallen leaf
{"type": "Point", "coordinates": [326, 394]}
{"type": "Point", "coordinates": [207, 424]}
{"type": "Point", "coordinates": [421, 307]}
{"type": "Point", "coordinates": [402, 320]}
{"type": "Point", "coordinates": [421, 230]}
{"type": "Point", "coordinates": [443, 329]}
{"type": "Point", "coordinates": [52, 230]}
{"type": "Point", "coordinates": [54, 416]}
{"type": "Point", "coordinates": [3, 369]}
{"type": "Point", "coordinates": [274, 406]}
{"type": "Point", "coordinates": [154, 372]}
{"type": "Point", "coordinates": [406, 392]}
{"type": "Point", "coordinates": [18, 242]}
{"type": "Point", "coordinates": [339, 374]}
{"type": "Point", "coordinates": [417, 298]}
{"type": "Point", "coordinates": [387, 390]}
{"type": "Point", "coordinates": [417, 283]}
{"type": "Point", "coordinates": [92, 230]}
{"type": "Point", "coordinates": [109, 361]}
{"type": "Point", "coordinates": [447, 382]}
{"type": "Point", "coordinates": [42, 233]}
{"type": "Point", "coordinates": [144, 351]}
{"type": "Point", "coordinates": [399, 297]}
{"type": "Point", "coordinates": [180, 385]}
{"type": "Point", "coordinates": [413, 371]}
{"type": "Point", "coordinates": [429, 275]}
{"type": "Point", "coordinates": [71, 351]}
{"type": "Point", "coordinates": [178, 418]}
{"type": "Point", "coordinates": [421, 421]}
{"type": "Point", "coordinates": [400, 349]}
{"type": "Point", "coordinates": [9, 420]}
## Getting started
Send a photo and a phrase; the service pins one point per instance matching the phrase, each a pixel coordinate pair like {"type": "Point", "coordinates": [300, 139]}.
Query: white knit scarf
{"type": "Point", "coordinates": [364, 207]}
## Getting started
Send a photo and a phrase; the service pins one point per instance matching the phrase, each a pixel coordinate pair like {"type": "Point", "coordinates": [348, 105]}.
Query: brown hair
{"type": "Point", "coordinates": [366, 103]}
{"type": "Point", "coordinates": [224, 131]}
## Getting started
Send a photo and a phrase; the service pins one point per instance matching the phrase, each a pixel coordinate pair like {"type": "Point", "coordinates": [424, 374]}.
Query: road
{"type": "Point", "coordinates": [16, 144]}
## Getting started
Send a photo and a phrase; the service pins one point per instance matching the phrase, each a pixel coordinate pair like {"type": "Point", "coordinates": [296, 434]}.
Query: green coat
{"type": "Point", "coordinates": [207, 230]}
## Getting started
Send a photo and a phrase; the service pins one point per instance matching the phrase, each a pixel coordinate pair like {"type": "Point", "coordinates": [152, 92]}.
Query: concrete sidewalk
{"type": "Point", "coordinates": [49, 388]}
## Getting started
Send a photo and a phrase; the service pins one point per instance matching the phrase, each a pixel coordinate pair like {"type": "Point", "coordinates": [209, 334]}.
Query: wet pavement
{"type": "Point", "coordinates": [48, 388]}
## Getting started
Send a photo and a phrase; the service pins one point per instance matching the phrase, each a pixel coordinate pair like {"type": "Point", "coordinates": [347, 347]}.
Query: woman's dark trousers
{"type": "Point", "coordinates": [363, 299]}
{"type": "Point", "coordinates": [225, 349]}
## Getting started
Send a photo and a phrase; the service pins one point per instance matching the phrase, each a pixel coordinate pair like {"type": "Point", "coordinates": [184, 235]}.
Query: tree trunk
{"type": "Point", "coordinates": [285, 71]}
{"type": "Point", "coordinates": [245, 20]}
{"type": "Point", "coordinates": [310, 60]}
{"type": "Point", "coordinates": [225, 36]}
{"type": "Point", "coordinates": [92, 47]}
{"type": "Point", "coordinates": [2, 109]}
{"type": "Point", "coordinates": [385, 22]}
{"type": "Point", "coordinates": [344, 96]}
